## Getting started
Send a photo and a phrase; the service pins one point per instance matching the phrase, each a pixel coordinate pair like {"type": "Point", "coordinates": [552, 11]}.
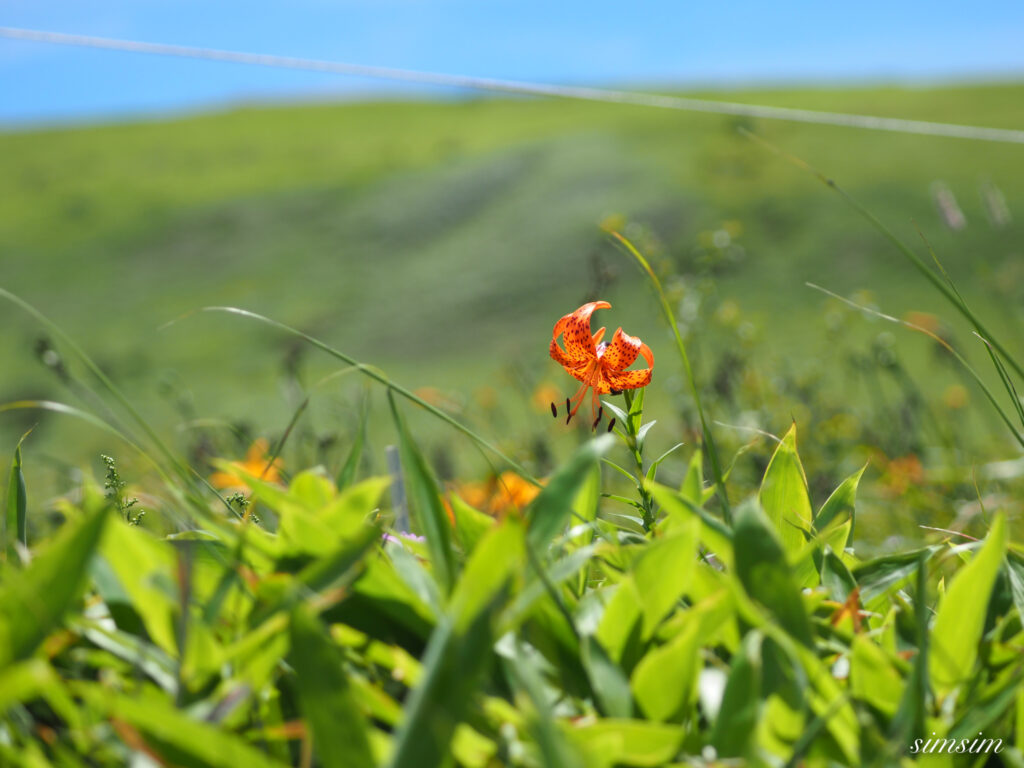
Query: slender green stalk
{"type": "Point", "coordinates": [709, 441]}
{"type": "Point", "coordinates": [380, 377]}
{"type": "Point", "coordinates": [949, 293]}
{"type": "Point", "coordinates": [101, 376]}
{"type": "Point", "coordinates": [959, 358]}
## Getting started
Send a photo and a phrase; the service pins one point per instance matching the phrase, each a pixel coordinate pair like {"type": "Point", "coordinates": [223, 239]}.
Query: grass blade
{"type": "Point", "coordinates": [347, 474]}
{"type": "Point", "coordinates": [959, 358]}
{"type": "Point", "coordinates": [103, 379]}
{"type": "Point", "coordinates": [426, 504]}
{"type": "Point", "coordinates": [452, 665]}
{"type": "Point", "coordinates": [339, 727]}
{"type": "Point", "coordinates": [379, 376]}
{"type": "Point", "coordinates": [14, 523]}
{"type": "Point", "coordinates": [948, 293]}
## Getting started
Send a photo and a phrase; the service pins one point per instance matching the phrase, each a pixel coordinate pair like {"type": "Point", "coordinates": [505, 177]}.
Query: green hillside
{"type": "Point", "coordinates": [441, 241]}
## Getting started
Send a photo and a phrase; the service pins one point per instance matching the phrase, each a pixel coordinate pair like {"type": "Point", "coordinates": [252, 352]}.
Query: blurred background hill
{"type": "Point", "coordinates": [441, 240]}
{"type": "Point", "coordinates": [440, 235]}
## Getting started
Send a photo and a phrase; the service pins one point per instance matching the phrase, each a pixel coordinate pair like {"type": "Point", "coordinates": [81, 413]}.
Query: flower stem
{"type": "Point", "coordinates": [635, 409]}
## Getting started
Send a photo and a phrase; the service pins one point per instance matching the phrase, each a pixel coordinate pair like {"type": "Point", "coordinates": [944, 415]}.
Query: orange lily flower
{"type": "Point", "coordinates": [600, 365]}
{"type": "Point", "coordinates": [255, 463]}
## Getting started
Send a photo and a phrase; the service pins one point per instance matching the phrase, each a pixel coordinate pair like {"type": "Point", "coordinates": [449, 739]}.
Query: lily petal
{"type": "Point", "coordinates": [632, 379]}
{"type": "Point", "coordinates": [559, 356]}
{"type": "Point", "coordinates": [575, 330]}
{"type": "Point", "coordinates": [621, 352]}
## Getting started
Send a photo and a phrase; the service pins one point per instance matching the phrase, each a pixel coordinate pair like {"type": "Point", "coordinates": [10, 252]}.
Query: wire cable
{"type": "Point", "coordinates": [867, 122]}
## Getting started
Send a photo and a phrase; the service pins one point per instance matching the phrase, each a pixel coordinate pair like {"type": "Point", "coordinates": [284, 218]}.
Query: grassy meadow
{"type": "Point", "coordinates": [346, 531]}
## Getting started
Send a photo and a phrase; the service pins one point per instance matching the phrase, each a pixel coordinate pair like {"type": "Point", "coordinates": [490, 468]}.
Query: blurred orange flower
{"type": "Point", "coordinates": [255, 463]}
{"type": "Point", "coordinates": [925, 320]}
{"type": "Point", "coordinates": [956, 397]}
{"type": "Point", "coordinates": [902, 473]}
{"type": "Point", "coordinates": [499, 494]}
{"type": "Point", "coordinates": [601, 366]}
{"type": "Point", "coordinates": [544, 394]}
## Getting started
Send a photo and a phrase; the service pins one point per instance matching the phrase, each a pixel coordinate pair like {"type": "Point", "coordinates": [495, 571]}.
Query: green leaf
{"type": "Point", "coordinates": [663, 573]}
{"type": "Point", "coordinates": [635, 398]}
{"type": "Point", "coordinates": [783, 494]}
{"type": "Point", "coordinates": [496, 560]}
{"type": "Point", "coordinates": [840, 507]}
{"type": "Point", "coordinates": [960, 620]}
{"type": "Point", "coordinates": [613, 741]}
{"type": "Point", "coordinates": [665, 680]}
{"type": "Point", "coordinates": [620, 625]}
{"type": "Point", "coordinates": [175, 737]}
{"type": "Point", "coordinates": [827, 699]}
{"type": "Point", "coordinates": [131, 648]}
{"type": "Point", "coordinates": [557, 572]}
{"type": "Point", "coordinates": [873, 678]}
{"type": "Point", "coordinates": [1015, 575]}
{"type": "Point", "coordinates": [352, 508]}
{"type": "Point", "coordinates": [762, 569]}
{"type": "Point", "coordinates": [879, 576]}
{"type": "Point", "coordinates": [652, 470]}
{"type": "Point", "coordinates": [714, 534]}
{"type": "Point", "coordinates": [524, 671]}
{"type": "Point", "coordinates": [985, 713]}
{"type": "Point", "coordinates": [1020, 719]}
{"type": "Point", "coordinates": [607, 679]}
{"type": "Point", "coordinates": [459, 650]}
{"type": "Point", "coordinates": [33, 601]}
{"type": "Point", "coordinates": [425, 501]}
{"type": "Point", "coordinates": [736, 723]}
{"type": "Point", "coordinates": [836, 577]}
{"type": "Point", "coordinates": [340, 565]}
{"type": "Point", "coordinates": [692, 487]}
{"type": "Point", "coordinates": [34, 678]}
{"type": "Point", "coordinates": [452, 666]}
{"type": "Point", "coordinates": [553, 506]}
{"type": "Point", "coordinates": [909, 720]}
{"type": "Point", "coordinates": [143, 566]}
{"type": "Point", "coordinates": [326, 700]}
{"type": "Point", "coordinates": [470, 524]}
{"type": "Point", "coordinates": [415, 576]}
{"type": "Point", "coordinates": [14, 522]}
{"type": "Point", "coordinates": [589, 497]}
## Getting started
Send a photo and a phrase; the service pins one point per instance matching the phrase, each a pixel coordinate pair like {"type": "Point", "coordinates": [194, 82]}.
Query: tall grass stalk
{"type": "Point", "coordinates": [959, 358]}
{"type": "Point", "coordinates": [709, 440]}
{"type": "Point", "coordinates": [950, 293]}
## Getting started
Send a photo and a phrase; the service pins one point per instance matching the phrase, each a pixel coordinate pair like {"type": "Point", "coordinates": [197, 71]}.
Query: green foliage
{"type": "Point", "coordinates": [565, 637]}
{"type": "Point", "coordinates": [643, 604]}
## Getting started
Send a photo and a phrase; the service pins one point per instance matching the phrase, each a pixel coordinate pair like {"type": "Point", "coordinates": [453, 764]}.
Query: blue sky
{"type": "Point", "coordinates": [642, 43]}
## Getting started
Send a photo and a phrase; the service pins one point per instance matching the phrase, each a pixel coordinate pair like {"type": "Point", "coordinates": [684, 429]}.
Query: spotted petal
{"type": "Point", "coordinates": [619, 380]}
{"type": "Point", "coordinates": [622, 351]}
{"type": "Point", "coordinates": [575, 331]}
